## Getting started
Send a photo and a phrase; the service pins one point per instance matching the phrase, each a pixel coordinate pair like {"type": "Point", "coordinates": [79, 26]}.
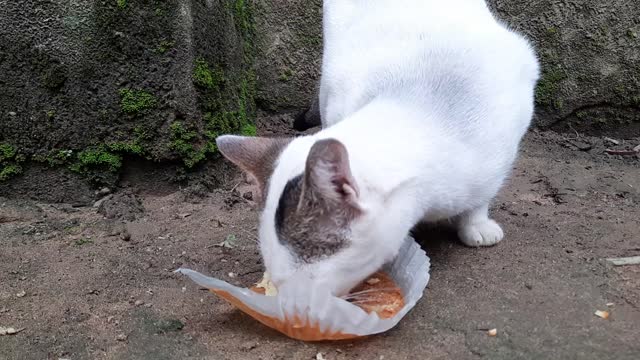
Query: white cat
{"type": "Point", "coordinates": [423, 105]}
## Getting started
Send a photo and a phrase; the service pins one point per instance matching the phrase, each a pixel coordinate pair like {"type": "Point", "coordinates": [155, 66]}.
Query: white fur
{"type": "Point", "coordinates": [431, 99]}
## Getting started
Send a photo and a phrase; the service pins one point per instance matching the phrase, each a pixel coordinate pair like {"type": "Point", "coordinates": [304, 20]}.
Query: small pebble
{"type": "Point", "coordinates": [138, 303]}
{"type": "Point", "coordinates": [232, 275]}
{"type": "Point", "coordinates": [248, 195]}
{"type": "Point", "coordinates": [125, 235]}
{"type": "Point", "coordinates": [21, 294]}
{"type": "Point", "coordinates": [103, 192]}
{"type": "Point", "coordinates": [121, 337]}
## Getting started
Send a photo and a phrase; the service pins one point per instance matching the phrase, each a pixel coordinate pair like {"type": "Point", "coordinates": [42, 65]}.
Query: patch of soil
{"type": "Point", "coordinates": [84, 287]}
{"type": "Point", "coordinates": [39, 182]}
{"type": "Point", "coordinates": [122, 206]}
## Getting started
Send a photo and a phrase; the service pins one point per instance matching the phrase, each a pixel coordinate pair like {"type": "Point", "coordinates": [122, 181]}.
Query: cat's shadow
{"type": "Point", "coordinates": [437, 240]}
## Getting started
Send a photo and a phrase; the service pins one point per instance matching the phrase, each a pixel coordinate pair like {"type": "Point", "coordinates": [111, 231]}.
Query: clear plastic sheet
{"type": "Point", "coordinates": [313, 314]}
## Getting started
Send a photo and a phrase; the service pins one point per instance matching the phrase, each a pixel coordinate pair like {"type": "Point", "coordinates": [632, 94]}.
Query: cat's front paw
{"type": "Point", "coordinates": [485, 233]}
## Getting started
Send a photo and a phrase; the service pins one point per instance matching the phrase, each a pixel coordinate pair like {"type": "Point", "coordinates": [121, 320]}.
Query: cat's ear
{"type": "Point", "coordinates": [255, 155]}
{"type": "Point", "coordinates": [328, 175]}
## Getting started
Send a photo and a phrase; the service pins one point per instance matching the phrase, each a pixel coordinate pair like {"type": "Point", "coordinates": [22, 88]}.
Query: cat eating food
{"type": "Point", "coordinates": [423, 105]}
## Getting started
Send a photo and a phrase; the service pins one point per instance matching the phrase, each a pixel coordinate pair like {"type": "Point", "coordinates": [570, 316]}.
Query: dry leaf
{"type": "Point", "coordinates": [610, 304]}
{"type": "Point", "coordinates": [602, 314]}
{"type": "Point", "coordinates": [492, 332]}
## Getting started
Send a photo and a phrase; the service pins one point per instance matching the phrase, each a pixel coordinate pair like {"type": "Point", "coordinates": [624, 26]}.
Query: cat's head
{"type": "Point", "coordinates": [314, 223]}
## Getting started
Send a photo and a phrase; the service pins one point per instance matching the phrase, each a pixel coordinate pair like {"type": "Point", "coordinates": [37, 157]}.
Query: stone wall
{"type": "Point", "coordinates": [85, 83]}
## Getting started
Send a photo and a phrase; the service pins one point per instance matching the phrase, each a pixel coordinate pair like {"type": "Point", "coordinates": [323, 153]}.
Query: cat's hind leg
{"type": "Point", "coordinates": [475, 228]}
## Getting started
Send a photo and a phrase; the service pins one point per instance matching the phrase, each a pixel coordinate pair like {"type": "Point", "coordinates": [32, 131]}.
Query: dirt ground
{"type": "Point", "coordinates": [97, 282]}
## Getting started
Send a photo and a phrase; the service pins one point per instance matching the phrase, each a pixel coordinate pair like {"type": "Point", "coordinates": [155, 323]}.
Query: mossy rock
{"type": "Point", "coordinates": [117, 75]}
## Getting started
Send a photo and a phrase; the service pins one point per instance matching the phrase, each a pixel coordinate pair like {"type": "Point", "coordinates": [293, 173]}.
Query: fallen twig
{"type": "Point", "coordinates": [633, 260]}
{"type": "Point", "coordinates": [622, 152]}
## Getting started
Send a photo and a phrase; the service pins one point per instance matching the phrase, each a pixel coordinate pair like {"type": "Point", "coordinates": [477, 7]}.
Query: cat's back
{"type": "Point", "coordinates": [422, 48]}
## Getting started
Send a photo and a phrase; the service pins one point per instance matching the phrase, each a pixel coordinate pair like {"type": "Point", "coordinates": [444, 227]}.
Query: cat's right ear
{"type": "Point", "coordinates": [255, 155]}
{"type": "Point", "coordinates": [328, 176]}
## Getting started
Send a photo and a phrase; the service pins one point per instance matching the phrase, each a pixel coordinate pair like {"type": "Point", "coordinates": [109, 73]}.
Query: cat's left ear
{"type": "Point", "coordinates": [328, 176]}
{"type": "Point", "coordinates": [255, 155]}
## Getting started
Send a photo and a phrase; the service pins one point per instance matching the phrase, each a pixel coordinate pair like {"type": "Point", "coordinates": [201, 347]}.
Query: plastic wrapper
{"type": "Point", "coordinates": [313, 314]}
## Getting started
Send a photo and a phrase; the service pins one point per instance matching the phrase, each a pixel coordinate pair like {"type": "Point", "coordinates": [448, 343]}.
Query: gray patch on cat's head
{"type": "Point", "coordinates": [307, 227]}
{"type": "Point", "coordinates": [316, 208]}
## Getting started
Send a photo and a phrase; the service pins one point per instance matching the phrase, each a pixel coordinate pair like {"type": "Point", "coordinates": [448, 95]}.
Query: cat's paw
{"type": "Point", "coordinates": [484, 233]}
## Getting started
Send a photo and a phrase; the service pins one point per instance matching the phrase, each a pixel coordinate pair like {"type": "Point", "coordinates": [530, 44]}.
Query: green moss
{"type": "Point", "coordinates": [136, 102]}
{"type": "Point", "coordinates": [51, 114]}
{"type": "Point", "coordinates": [243, 16]}
{"type": "Point", "coordinates": [249, 130]}
{"type": "Point", "coordinates": [9, 170]}
{"type": "Point", "coordinates": [226, 99]}
{"type": "Point", "coordinates": [286, 75]}
{"type": "Point", "coordinates": [97, 159]}
{"type": "Point", "coordinates": [632, 34]}
{"type": "Point", "coordinates": [10, 161]}
{"type": "Point", "coordinates": [182, 142]}
{"type": "Point", "coordinates": [165, 45]}
{"type": "Point", "coordinates": [549, 85]}
{"type": "Point", "coordinates": [126, 147]}
{"type": "Point", "coordinates": [205, 77]}
{"type": "Point", "coordinates": [54, 158]}
{"type": "Point", "coordinates": [121, 4]}
{"type": "Point", "coordinates": [7, 152]}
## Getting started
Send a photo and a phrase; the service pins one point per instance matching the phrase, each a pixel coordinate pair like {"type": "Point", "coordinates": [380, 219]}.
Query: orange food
{"type": "Point", "coordinates": [378, 294]}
